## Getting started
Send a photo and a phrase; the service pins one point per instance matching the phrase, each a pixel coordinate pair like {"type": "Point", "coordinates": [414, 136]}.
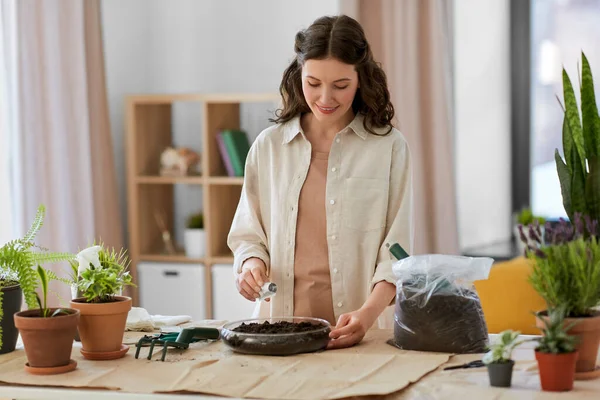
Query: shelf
{"type": "Point", "coordinates": [212, 98]}
{"type": "Point", "coordinates": [179, 258]}
{"type": "Point", "coordinates": [226, 180]}
{"type": "Point", "coordinates": [222, 260]}
{"type": "Point", "coordinates": [165, 180]}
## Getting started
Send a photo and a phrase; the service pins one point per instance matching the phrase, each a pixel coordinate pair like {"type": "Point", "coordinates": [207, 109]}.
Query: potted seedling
{"type": "Point", "coordinates": [499, 360]}
{"type": "Point", "coordinates": [47, 333]}
{"type": "Point", "coordinates": [19, 259]}
{"type": "Point", "coordinates": [101, 276]}
{"type": "Point", "coordinates": [556, 353]}
{"type": "Point", "coordinates": [195, 236]}
{"type": "Point", "coordinates": [524, 221]}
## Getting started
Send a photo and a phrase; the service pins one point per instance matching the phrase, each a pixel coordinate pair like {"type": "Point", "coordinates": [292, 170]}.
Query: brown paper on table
{"type": "Point", "coordinates": [473, 383]}
{"type": "Point", "coordinates": [372, 367]}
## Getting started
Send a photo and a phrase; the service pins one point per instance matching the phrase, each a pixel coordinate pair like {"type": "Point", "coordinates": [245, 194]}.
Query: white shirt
{"type": "Point", "coordinates": [368, 205]}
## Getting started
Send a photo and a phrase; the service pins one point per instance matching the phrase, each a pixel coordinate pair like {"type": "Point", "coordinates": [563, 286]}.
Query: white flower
{"type": "Point", "coordinates": [88, 256]}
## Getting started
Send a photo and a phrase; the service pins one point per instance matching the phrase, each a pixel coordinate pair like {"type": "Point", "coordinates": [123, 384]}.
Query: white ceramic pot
{"type": "Point", "coordinates": [194, 241]}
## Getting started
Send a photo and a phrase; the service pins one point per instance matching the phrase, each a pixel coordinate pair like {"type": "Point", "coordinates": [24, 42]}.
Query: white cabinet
{"type": "Point", "coordinates": [228, 304]}
{"type": "Point", "coordinates": [172, 289]}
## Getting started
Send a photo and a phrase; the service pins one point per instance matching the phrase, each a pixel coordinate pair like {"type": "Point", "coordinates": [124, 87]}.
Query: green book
{"type": "Point", "coordinates": [238, 146]}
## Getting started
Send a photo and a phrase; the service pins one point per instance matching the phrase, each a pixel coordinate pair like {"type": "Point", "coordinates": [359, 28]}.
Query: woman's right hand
{"type": "Point", "coordinates": [253, 276]}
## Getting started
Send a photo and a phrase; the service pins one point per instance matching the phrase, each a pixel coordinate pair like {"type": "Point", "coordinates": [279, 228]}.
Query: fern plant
{"type": "Point", "coordinates": [20, 263]}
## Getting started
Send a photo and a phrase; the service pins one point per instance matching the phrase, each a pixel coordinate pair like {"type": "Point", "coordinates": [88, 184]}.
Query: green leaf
{"type": "Point", "coordinates": [578, 200]}
{"type": "Point", "coordinates": [36, 225]}
{"type": "Point", "coordinates": [572, 115]}
{"type": "Point", "coordinates": [592, 188]}
{"type": "Point", "coordinates": [44, 281]}
{"type": "Point", "coordinates": [589, 111]}
{"type": "Point", "coordinates": [564, 176]}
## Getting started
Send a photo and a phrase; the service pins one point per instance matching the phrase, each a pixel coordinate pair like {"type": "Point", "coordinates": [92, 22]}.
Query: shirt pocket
{"type": "Point", "coordinates": [364, 204]}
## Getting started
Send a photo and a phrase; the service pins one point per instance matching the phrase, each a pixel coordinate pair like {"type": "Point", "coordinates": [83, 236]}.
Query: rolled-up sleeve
{"type": "Point", "coordinates": [247, 237]}
{"type": "Point", "coordinates": [399, 225]}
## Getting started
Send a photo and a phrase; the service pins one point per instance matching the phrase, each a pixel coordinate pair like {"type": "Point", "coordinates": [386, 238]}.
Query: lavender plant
{"type": "Point", "coordinates": [566, 268]}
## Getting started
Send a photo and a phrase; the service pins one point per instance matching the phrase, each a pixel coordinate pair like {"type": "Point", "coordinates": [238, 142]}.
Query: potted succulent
{"type": "Point", "coordinates": [101, 276]}
{"type": "Point", "coordinates": [19, 278]}
{"type": "Point", "coordinates": [195, 236]}
{"type": "Point", "coordinates": [556, 353]}
{"type": "Point", "coordinates": [499, 360]}
{"type": "Point", "coordinates": [566, 273]}
{"type": "Point", "coordinates": [525, 219]}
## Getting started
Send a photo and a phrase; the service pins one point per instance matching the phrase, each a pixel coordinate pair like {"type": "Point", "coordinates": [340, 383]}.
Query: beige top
{"type": "Point", "coordinates": [368, 204]}
{"type": "Point", "coordinates": [312, 282]}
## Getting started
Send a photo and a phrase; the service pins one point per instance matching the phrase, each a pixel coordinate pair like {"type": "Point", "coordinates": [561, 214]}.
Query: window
{"type": "Point", "coordinates": [560, 30]}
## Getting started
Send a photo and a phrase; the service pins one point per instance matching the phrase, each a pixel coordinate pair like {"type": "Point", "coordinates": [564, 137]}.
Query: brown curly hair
{"type": "Point", "coordinates": [342, 38]}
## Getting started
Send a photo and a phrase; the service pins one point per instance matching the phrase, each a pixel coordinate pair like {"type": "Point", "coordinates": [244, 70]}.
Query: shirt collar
{"type": "Point", "coordinates": [292, 128]}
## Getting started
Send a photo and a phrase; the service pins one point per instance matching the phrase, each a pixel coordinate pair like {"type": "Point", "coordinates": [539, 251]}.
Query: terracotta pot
{"type": "Point", "coordinates": [102, 325]}
{"type": "Point", "coordinates": [11, 303]}
{"type": "Point", "coordinates": [587, 330]}
{"type": "Point", "coordinates": [48, 341]}
{"type": "Point", "coordinates": [557, 371]}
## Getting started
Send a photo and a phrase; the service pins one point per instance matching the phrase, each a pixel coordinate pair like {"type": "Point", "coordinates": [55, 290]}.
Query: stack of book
{"type": "Point", "coordinates": [233, 147]}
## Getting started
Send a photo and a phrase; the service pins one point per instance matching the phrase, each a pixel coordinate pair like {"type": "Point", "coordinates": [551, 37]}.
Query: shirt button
{"type": "Point", "coordinates": [340, 304]}
{"type": "Point", "coordinates": [334, 237]}
{"type": "Point", "coordinates": [288, 275]}
{"type": "Point", "coordinates": [335, 270]}
{"type": "Point", "coordinates": [337, 140]}
{"type": "Point", "coordinates": [333, 169]}
{"type": "Point", "coordinates": [332, 202]}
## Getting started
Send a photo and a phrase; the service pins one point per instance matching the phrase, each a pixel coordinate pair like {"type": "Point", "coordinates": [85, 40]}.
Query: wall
{"type": "Point", "coordinates": [482, 95]}
{"type": "Point", "coordinates": [222, 46]}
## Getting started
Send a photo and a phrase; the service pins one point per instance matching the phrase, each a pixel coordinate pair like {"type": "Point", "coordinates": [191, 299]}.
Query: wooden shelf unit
{"type": "Point", "coordinates": [148, 133]}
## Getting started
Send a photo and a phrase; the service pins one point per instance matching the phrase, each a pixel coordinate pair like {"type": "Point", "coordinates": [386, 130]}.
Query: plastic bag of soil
{"type": "Point", "coordinates": [437, 306]}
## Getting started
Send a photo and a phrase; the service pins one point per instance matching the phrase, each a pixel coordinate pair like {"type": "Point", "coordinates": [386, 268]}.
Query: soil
{"type": "Point", "coordinates": [274, 339]}
{"type": "Point", "coordinates": [446, 323]}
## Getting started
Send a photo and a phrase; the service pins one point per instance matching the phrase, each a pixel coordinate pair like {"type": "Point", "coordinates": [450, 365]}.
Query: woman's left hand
{"type": "Point", "coordinates": [351, 328]}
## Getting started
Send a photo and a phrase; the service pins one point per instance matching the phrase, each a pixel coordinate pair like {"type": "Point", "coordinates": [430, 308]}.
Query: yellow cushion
{"type": "Point", "coordinates": [508, 299]}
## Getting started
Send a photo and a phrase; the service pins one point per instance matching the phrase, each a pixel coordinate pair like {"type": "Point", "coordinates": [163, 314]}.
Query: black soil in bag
{"type": "Point", "coordinates": [447, 322]}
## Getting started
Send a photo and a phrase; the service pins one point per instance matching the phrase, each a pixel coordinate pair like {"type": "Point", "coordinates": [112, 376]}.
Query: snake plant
{"type": "Point", "coordinates": [579, 172]}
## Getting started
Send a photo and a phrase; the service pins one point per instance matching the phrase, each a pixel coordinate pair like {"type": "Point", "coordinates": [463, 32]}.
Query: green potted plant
{"type": "Point", "coordinates": [101, 276]}
{"type": "Point", "coordinates": [579, 171]}
{"type": "Point", "coordinates": [525, 219]}
{"type": "Point", "coordinates": [499, 360]}
{"type": "Point", "coordinates": [566, 273]}
{"type": "Point", "coordinates": [556, 353]}
{"type": "Point", "coordinates": [47, 333]}
{"type": "Point", "coordinates": [19, 259]}
{"type": "Point", "coordinates": [195, 236]}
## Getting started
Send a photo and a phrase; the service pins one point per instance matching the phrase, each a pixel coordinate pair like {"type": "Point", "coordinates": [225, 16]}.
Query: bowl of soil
{"type": "Point", "coordinates": [277, 336]}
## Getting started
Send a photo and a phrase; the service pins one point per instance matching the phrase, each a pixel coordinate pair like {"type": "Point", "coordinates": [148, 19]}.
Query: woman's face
{"type": "Point", "coordinates": [329, 87]}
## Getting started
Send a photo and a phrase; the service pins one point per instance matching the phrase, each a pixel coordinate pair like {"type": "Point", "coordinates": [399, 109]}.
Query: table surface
{"type": "Point", "coordinates": [436, 385]}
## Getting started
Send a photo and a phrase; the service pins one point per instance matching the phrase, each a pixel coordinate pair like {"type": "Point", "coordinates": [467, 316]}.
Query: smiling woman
{"type": "Point", "coordinates": [326, 188]}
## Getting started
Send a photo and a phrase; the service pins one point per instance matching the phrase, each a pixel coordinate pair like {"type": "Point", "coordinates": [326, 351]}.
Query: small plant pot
{"type": "Point", "coordinates": [48, 341]}
{"type": "Point", "coordinates": [195, 243]}
{"type": "Point", "coordinates": [557, 371]}
{"type": "Point", "coordinates": [587, 330]}
{"type": "Point", "coordinates": [12, 299]}
{"type": "Point", "coordinates": [501, 373]}
{"type": "Point", "coordinates": [102, 326]}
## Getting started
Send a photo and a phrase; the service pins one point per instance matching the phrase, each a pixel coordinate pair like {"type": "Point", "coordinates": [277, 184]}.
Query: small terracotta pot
{"type": "Point", "coordinates": [48, 341]}
{"type": "Point", "coordinates": [557, 371]}
{"type": "Point", "coordinates": [102, 325]}
{"type": "Point", "coordinates": [587, 329]}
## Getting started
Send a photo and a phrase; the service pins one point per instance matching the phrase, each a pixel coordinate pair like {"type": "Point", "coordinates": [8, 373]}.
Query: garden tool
{"type": "Point", "coordinates": [472, 364]}
{"type": "Point", "coordinates": [179, 340]}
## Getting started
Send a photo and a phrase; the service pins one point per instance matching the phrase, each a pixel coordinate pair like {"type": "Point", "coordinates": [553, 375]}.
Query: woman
{"type": "Point", "coordinates": [326, 189]}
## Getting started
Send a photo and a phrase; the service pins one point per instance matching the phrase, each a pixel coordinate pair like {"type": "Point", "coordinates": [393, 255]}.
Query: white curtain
{"type": "Point", "coordinates": [61, 147]}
